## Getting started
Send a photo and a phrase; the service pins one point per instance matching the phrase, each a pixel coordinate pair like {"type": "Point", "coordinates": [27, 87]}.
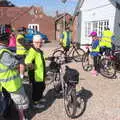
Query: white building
{"type": "Point", "coordinates": [95, 15]}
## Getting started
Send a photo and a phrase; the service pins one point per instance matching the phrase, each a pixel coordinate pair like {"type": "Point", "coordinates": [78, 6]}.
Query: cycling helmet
{"type": "Point", "coordinates": [93, 34]}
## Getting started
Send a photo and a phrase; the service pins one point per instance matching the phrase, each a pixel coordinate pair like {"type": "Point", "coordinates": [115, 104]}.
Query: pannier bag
{"type": "Point", "coordinates": [71, 75]}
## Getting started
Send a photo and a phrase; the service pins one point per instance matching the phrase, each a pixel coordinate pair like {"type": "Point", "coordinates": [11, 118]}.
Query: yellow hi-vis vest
{"type": "Point", "coordinates": [106, 40]}
{"type": "Point", "coordinates": [9, 79]}
{"type": "Point", "coordinates": [20, 50]}
{"type": "Point", "coordinates": [38, 58]}
{"type": "Point", "coordinates": [97, 49]}
{"type": "Point", "coordinates": [64, 40]}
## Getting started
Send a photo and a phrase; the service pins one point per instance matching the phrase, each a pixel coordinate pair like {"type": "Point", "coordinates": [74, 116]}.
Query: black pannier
{"type": "Point", "coordinates": [54, 66]}
{"type": "Point", "coordinates": [71, 75]}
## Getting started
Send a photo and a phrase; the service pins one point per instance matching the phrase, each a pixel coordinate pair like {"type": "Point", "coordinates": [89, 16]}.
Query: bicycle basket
{"type": "Point", "coordinates": [71, 76]}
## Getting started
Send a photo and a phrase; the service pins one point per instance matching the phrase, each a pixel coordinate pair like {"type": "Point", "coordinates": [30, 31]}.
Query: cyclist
{"type": "Point", "coordinates": [11, 81]}
{"type": "Point", "coordinates": [35, 60]}
{"type": "Point", "coordinates": [21, 49]}
{"type": "Point", "coordinates": [65, 40]}
{"type": "Point", "coordinates": [95, 52]}
{"type": "Point", "coordinates": [106, 41]}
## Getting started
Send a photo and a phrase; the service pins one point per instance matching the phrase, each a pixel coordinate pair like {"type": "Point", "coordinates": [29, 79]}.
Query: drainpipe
{"type": "Point", "coordinates": [64, 1]}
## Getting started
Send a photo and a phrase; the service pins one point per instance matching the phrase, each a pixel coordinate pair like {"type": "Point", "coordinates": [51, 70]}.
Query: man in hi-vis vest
{"type": "Point", "coordinates": [106, 41]}
{"type": "Point", "coordinates": [65, 40]}
{"type": "Point", "coordinates": [10, 79]}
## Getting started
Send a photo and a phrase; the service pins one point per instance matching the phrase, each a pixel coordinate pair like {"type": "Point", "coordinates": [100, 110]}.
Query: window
{"type": "Point", "coordinates": [97, 26]}
{"type": "Point", "coordinates": [87, 29]}
{"type": "Point", "coordinates": [34, 26]}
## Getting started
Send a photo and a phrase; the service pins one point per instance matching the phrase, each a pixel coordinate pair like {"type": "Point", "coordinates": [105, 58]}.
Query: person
{"type": "Point", "coordinates": [106, 41]}
{"type": "Point", "coordinates": [36, 62]}
{"type": "Point", "coordinates": [65, 40]}
{"type": "Point", "coordinates": [21, 50]}
{"type": "Point", "coordinates": [7, 31]}
{"type": "Point", "coordinates": [12, 42]}
{"type": "Point", "coordinates": [11, 81]}
{"type": "Point", "coordinates": [95, 52]}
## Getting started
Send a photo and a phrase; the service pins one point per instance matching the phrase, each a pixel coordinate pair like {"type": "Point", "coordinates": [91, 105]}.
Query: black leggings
{"type": "Point", "coordinates": [96, 60]}
{"type": "Point", "coordinates": [37, 87]}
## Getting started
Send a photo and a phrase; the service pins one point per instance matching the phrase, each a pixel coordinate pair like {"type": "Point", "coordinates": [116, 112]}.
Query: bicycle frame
{"type": "Point", "coordinates": [71, 50]}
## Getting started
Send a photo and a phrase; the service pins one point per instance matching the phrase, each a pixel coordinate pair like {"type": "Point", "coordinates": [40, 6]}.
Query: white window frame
{"type": "Point", "coordinates": [34, 26]}
{"type": "Point", "coordinates": [99, 27]}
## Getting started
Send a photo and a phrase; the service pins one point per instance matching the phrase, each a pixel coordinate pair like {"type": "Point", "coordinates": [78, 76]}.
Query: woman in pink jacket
{"type": "Point", "coordinates": [12, 42]}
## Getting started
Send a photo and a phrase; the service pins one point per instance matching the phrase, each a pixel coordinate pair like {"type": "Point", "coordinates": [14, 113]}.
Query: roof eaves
{"type": "Point", "coordinates": [61, 16]}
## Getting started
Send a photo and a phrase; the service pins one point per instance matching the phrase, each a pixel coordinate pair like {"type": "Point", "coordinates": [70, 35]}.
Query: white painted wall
{"type": "Point", "coordinates": [95, 10]}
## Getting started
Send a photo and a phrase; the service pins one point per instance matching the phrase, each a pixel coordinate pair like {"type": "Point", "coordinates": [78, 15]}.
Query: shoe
{"type": "Point", "coordinates": [38, 106]}
{"type": "Point", "coordinates": [94, 73]}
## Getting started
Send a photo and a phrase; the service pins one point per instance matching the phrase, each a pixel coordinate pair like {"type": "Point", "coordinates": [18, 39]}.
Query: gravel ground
{"type": "Point", "coordinates": [102, 96]}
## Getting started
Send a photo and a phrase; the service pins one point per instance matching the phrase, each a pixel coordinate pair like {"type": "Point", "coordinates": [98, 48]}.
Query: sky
{"type": "Point", "coordinates": [49, 6]}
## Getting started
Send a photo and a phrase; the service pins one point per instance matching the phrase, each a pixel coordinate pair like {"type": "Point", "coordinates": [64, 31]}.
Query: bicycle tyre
{"type": "Point", "coordinates": [59, 54]}
{"type": "Point", "coordinates": [107, 70]}
{"type": "Point", "coordinates": [86, 63]}
{"type": "Point", "coordinates": [56, 82]}
{"type": "Point", "coordinates": [70, 102]}
{"type": "Point", "coordinates": [78, 54]}
{"type": "Point", "coordinates": [49, 78]}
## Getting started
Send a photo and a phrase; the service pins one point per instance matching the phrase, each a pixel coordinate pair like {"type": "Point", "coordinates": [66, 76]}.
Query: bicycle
{"type": "Point", "coordinates": [67, 84]}
{"type": "Point", "coordinates": [110, 64]}
{"type": "Point", "coordinates": [53, 73]}
{"type": "Point", "coordinates": [71, 78]}
{"type": "Point", "coordinates": [86, 64]}
{"type": "Point", "coordinates": [75, 52]}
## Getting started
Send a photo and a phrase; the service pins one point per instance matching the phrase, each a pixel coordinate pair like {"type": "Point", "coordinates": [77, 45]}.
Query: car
{"type": "Point", "coordinates": [31, 32]}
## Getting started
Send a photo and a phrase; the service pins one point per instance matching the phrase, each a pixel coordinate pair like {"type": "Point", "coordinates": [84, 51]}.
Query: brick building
{"type": "Point", "coordinates": [62, 21]}
{"type": "Point", "coordinates": [29, 17]}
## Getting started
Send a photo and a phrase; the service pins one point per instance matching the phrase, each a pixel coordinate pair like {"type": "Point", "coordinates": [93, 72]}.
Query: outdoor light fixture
{"type": "Point", "coordinates": [64, 1]}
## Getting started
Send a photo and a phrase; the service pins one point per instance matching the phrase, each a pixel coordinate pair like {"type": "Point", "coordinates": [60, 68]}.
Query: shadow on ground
{"type": "Point", "coordinates": [82, 98]}
{"type": "Point", "coordinates": [49, 100]}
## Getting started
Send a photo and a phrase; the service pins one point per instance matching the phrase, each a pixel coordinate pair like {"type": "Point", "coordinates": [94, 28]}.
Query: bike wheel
{"type": "Point", "coordinates": [70, 102]}
{"type": "Point", "coordinates": [59, 54]}
{"type": "Point", "coordinates": [78, 54]}
{"type": "Point", "coordinates": [56, 82]}
{"type": "Point", "coordinates": [86, 63]}
{"type": "Point", "coordinates": [107, 68]}
{"type": "Point", "coordinates": [80, 106]}
{"type": "Point", "coordinates": [49, 78]}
